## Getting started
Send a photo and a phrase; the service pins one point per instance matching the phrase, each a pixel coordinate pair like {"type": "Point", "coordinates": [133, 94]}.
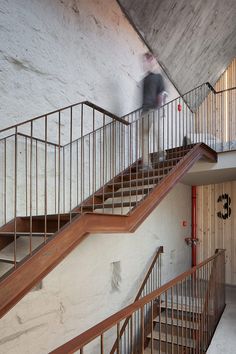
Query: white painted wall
{"type": "Point", "coordinates": [77, 294]}
{"type": "Point", "coordinates": [54, 53]}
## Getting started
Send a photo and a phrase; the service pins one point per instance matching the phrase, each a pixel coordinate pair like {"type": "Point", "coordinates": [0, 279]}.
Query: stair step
{"type": "Point", "coordinates": [109, 206]}
{"type": "Point", "coordinates": [26, 234]}
{"type": "Point", "coordinates": [126, 199]}
{"type": "Point", "coordinates": [22, 249]}
{"type": "Point", "coordinates": [187, 342]}
{"type": "Point", "coordinates": [5, 267]}
{"type": "Point", "coordinates": [53, 217]}
{"type": "Point", "coordinates": [169, 161]}
{"type": "Point", "coordinates": [180, 148]}
{"type": "Point", "coordinates": [137, 182]}
{"type": "Point", "coordinates": [182, 307]}
{"type": "Point", "coordinates": [126, 193]}
{"type": "Point", "coordinates": [176, 322]}
{"type": "Point", "coordinates": [148, 351]}
{"type": "Point", "coordinates": [143, 174]}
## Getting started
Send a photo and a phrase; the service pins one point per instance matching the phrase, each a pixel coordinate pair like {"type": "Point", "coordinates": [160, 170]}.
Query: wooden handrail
{"type": "Point", "coordinates": [160, 250]}
{"type": "Point", "coordinates": [104, 111]}
{"type": "Point", "coordinates": [158, 253]}
{"type": "Point", "coordinates": [97, 330]}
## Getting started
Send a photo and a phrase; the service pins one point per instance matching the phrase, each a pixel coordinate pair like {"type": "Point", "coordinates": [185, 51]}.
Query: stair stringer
{"type": "Point", "coordinates": [19, 281]}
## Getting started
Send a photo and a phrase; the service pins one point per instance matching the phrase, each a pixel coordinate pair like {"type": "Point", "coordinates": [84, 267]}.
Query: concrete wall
{"type": "Point", "coordinates": [59, 52]}
{"type": "Point", "coordinates": [79, 292]}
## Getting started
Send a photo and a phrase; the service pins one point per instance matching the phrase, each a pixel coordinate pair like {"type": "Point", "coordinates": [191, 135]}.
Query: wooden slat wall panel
{"type": "Point", "coordinates": [225, 105]}
{"type": "Point", "coordinates": [215, 232]}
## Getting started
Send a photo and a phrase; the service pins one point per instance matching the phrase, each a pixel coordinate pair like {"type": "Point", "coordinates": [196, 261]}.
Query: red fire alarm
{"type": "Point", "coordinates": [184, 223]}
{"type": "Point", "coordinates": [179, 107]}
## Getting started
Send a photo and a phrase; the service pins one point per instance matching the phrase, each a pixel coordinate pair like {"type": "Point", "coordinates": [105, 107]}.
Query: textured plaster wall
{"type": "Point", "coordinates": [81, 290]}
{"type": "Point", "coordinates": [54, 53]}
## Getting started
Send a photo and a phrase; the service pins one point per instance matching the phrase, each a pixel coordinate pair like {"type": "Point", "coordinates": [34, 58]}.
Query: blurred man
{"type": "Point", "coordinates": [153, 98]}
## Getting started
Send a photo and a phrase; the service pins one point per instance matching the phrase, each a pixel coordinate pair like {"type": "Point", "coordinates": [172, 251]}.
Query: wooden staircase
{"type": "Point", "coordinates": [133, 191]}
{"type": "Point", "coordinates": [176, 330]}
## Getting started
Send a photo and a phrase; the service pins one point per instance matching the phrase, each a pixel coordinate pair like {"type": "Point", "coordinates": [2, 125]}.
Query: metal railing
{"type": "Point", "coordinates": [82, 158]}
{"type": "Point", "coordinates": [182, 318]}
{"type": "Point", "coordinates": [151, 282]}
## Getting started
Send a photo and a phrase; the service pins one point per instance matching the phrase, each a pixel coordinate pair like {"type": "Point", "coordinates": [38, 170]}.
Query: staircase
{"type": "Point", "coordinates": [178, 317]}
{"type": "Point", "coordinates": [63, 180]}
{"type": "Point", "coordinates": [176, 330]}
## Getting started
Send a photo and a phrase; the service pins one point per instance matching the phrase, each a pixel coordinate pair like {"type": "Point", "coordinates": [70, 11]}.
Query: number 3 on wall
{"type": "Point", "coordinates": [226, 200]}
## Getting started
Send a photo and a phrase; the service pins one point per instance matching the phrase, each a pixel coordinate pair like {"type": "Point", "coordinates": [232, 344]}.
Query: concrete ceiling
{"type": "Point", "coordinates": [194, 40]}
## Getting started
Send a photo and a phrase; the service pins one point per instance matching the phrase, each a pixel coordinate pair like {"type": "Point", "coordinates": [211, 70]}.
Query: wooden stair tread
{"type": "Point", "coordinates": [181, 307]}
{"type": "Point", "coordinates": [135, 182]}
{"type": "Point", "coordinates": [5, 267]}
{"type": "Point", "coordinates": [169, 161]}
{"type": "Point", "coordinates": [176, 322]}
{"type": "Point", "coordinates": [142, 177]}
{"type": "Point", "coordinates": [108, 206]}
{"type": "Point", "coordinates": [22, 247]}
{"type": "Point", "coordinates": [27, 233]}
{"type": "Point", "coordinates": [52, 217]}
{"type": "Point", "coordinates": [148, 351]}
{"type": "Point", "coordinates": [180, 148]}
{"type": "Point", "coordinates": [127, 193]}
{"type": "Point", "coordinates": [187, 342]}
{"type": "Point", "coordinates": [141, 174]}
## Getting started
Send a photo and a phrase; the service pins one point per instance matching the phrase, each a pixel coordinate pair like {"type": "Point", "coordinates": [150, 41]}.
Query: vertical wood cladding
{"type": "Point", "coordinates": [219, 111]}
{"type": "Point", "coordinates": [216, 224]}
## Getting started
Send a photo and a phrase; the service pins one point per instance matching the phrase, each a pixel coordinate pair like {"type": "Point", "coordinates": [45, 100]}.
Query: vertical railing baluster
{"type": "Point", "coordinates": [159, 301]}
{"type": "Point", "coordinates": [77, 172]}
{"type": "Point", "coordinates": [81, 156]}
{"type": "Point", "coordinates": [45, 177]}
{"type": "Point", "coordinates": [94, 159]}
{"type": "Point", "coordinates": [64, 178]}
{"type": "Point", "coordinates": [102, 343]}
{"type": "Point", "coordinates": [36, 177]}
{"type": "Point", "coordinates": [26, 176]}
{"type": "Point", "coordinates": [5, 181]}
{"type": "Point", "coordinates": [114, 159]}
{"type": "Point", "coordinates": [59, 171]}
{"type": "Point", "coordinates": [15, 195]}
{"type": "Point", "coordinates": [131, 334]}
{"type": "Point", "coordinates": [172, 318]}
{"type": "Point", "coordinates": [102, 160]}
{"type": "Point", "coordinates": [177, 315]}
{"type": "Point", "coordinates": [30, 186]}
{"type": "Point", "coordinates": [55, 177]}
{"type": "Point", "coordinates": [166, 318]}
{"type": "Point", "coordinates": [70, 188]}
{"type": "Point", "coordinates": [118, 338]}
{"type": "Point", "coordinates": [129, 164]}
